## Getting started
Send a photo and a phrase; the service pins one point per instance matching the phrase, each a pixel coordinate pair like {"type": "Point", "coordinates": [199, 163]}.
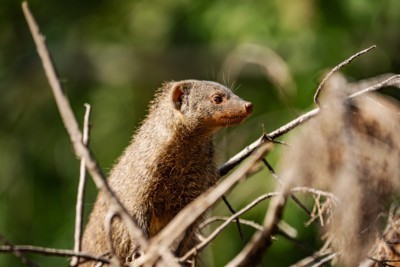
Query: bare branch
{"type": "Point", "coordinates": [392, 81]}
{"type": "Point", "coordinates": [293, 197]}
{"type": "Point", "coordinates": [196, 208]}
{"type": "Point", "coordinates": [359, 85]}
{"type": "Point", "coordinates": [328, 258]}
{"type": "Point", "coordinates": [252, 252]}
{"type": "Point", "coordinates": [217, 231]}
{"type": "Point", "coordinates": [225, 218]}
{"type": "Point", "coordinates": [72, 128]}
{"type": "Point", "coordinates": [315, 192]}
{"type": "Point", "coordinates": [111, 214]}
{"type": "Point", "coordinates": [233, 212]}
{"type": "Point", "coordinates": [335, 69]}
{"type": "Point", "coordinates": [51, 252]}
{"type": "Point", "coordinates": [18, 253]}
{"type": "Point", "coordinates": [81, 190]}
{"type": "Point", "coordinates": [315, 260]}
{"type": "Point", "coordinates": [286, 234]}
{"type": "Point", "coordinates": [239, 157]}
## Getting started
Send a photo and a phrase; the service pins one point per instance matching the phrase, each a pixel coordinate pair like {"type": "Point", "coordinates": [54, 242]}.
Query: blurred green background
{"type": "Point", "coordinates": [114, 54]}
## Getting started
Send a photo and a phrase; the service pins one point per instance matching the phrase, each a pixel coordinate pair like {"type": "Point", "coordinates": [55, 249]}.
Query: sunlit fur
{"type": "Point", "coordinates": [169, 162]}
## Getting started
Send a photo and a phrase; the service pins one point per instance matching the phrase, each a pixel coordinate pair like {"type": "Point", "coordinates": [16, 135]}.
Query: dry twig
{"type": "Point", "coordinates": [18, 253]}
{"type": "Point", "coordinates": [293, 197]}
{"type": "Point", "coordinates": [315, 192]}
{"type": "Point", "coordinates": [81, 191]}
{"type": "Point", "coordinates": [315, 260]}
{"type": "Point", "coordinates": [244, 153]}
{"type": "Point", "coordinates": [51, 252]}
{"type": "Point", "coordinates": [252, 252]}
{"type": "Point", "coordinates": [335, 69]}
{"type": "Point", "coordinates": [111, 214]}
{"type": "Point", "coordinates": [217, 231]}
{"type": "Point", "coordinates": [225, 218]}
{"type": "Point", "coordinates": [288, 236]}
{"type": "Point", "coordinates": [392, 81]}
{"type": "Point", "coordinates": [72, 128]}
{"type": "Point", "coordinates": [232, 210]}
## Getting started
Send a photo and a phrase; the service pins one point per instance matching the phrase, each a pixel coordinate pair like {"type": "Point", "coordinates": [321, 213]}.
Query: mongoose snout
{"type": "Point", "coordinates": [249, 107]}
{"type": "Point", "coordinates": [170, 162]}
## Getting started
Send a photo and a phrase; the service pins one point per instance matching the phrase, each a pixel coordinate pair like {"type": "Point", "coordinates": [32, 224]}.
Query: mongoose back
{"type": "Point", "coordinates": [169, 162]}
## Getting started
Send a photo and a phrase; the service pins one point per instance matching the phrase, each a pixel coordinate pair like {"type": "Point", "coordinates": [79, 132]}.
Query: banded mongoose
{"type": "Point", "coordinates": [169, 162]}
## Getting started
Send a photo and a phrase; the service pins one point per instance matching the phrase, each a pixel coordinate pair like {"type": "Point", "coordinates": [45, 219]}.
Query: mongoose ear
{"type": "Point", "coordinates": [178, 91]}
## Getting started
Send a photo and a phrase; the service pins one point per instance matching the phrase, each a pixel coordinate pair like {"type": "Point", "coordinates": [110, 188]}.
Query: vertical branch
{"type": "Point", "coordinates": [111, 214]}
{"type": "Point", "coordinates": [81, 190]}
{"type": "Point", "coordinates": [73, 130]}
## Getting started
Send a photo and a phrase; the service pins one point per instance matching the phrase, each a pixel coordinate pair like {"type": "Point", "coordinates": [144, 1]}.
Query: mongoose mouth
{"type": "Point", "coordinates": [233, 120]}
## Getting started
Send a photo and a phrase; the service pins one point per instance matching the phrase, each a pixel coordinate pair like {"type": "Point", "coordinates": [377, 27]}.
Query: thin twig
{"type": "Point", "coordinates": [225, 218]}
{"type": "Point", "coordinates": [239, 157]}
{"type": "Point", "coordinates": [392, 81]}
{"type": "Point", "coordinates": [51, 252]}
{"type": "Point", "coordinates": [217, 231]}
{"type": "Point", "coordinates": [315, 260]}
{"type": "Point", "coordinates": [335, 69]}
{"type": "Point", "coordinates": [233, 212]}
{"type": "Point", "coordinates": [293, 197]}
{"type": "Point", "coordinates": [111, 214]}
{"type": "Point", "coordinates": [18, 253]}
{"type": "Point", "coordinates": [251, 254]}
{"type": "Point", "coordinates": [259, 227]}
{"type": "Point", "coordinates": [72, 128]}
{"type": "Point", "coordinates": [196, 208]}
{"type": "Point", "coordinates": [81, 190]}
{"type": "Point", "coordinates": [359, 85]}
{"type": "Point", "coordinates": [317, 202]}
{"type": "Point", "coordinates": [322, 261]}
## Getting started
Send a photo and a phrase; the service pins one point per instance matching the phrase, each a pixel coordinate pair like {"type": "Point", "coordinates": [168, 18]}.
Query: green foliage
{"type": "Point", "coordinates": [114, 54]}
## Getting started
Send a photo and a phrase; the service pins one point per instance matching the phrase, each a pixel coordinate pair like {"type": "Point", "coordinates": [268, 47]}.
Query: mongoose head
{"type": "Point", "coordinates": [208, 104]}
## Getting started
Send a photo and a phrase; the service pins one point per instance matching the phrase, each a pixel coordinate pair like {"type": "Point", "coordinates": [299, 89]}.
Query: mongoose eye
{"type": "Point", "coordinates": [217, 99]}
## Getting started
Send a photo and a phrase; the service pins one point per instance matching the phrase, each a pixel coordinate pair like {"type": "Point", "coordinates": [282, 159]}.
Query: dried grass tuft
{"type": "Point", "coordinates": [351, 149]}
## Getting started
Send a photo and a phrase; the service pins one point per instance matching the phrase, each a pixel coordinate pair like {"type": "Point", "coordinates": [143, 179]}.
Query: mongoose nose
{"type": "Point", "coordinates": [249, 107]}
